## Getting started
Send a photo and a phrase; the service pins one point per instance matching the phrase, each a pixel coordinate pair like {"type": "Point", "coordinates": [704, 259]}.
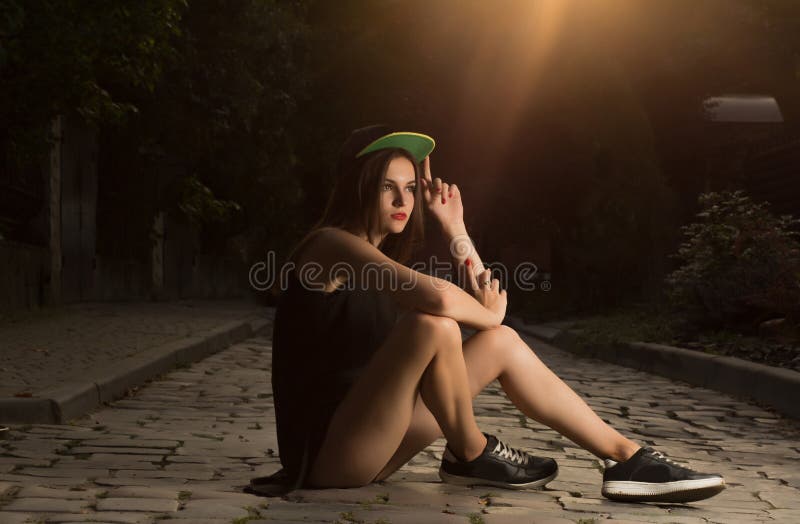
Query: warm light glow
{"type": "Point", "coordinates": [509, 59]}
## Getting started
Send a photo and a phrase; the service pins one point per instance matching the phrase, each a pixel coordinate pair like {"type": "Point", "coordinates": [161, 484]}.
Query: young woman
{"type": "Point", "coordinates": [359, 390]}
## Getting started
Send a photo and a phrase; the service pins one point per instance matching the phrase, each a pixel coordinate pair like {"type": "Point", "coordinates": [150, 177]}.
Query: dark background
{"type": "Point", "coordinates": [576, 130]}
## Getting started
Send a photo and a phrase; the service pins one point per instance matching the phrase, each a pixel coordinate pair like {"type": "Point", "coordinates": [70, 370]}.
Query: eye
{"type": "Point", "coordinates": [385, 186]}
{"type": "Point", "coordinates": [412, 188]}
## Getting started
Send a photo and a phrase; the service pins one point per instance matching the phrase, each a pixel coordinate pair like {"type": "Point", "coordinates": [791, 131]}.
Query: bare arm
{"type": "Point", "coordinates": [443, 201]}
{"type": "Point", "coordinates": [463, 307]}
{"type": "Point", "coordinates": [461, 248]}
{"type": "Point", "coordinates": [339, 250]}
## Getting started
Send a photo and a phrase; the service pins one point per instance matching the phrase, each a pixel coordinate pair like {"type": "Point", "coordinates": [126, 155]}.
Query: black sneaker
{"type": "Point", "coordinates": [498, 465]}
{"type": "Point", "coordinates": [649, 476]}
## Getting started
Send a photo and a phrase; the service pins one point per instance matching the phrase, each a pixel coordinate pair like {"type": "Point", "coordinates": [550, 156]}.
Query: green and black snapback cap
{"type": "Point", "coordinates": [368, 139]}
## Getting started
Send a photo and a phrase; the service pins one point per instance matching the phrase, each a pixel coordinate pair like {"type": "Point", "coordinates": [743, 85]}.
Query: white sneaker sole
{"type": "Point", "coordinates": [678, 491]}
{"type": "Point", "coordinates": [474, 481]}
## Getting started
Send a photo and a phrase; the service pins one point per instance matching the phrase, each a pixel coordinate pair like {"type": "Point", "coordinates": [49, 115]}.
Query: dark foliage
{"type": "Point", "coordinates": [741, 264]}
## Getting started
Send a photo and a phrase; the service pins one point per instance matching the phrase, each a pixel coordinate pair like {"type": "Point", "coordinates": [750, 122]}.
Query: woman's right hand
{"type": "Point", "coordinates": [490, 295]}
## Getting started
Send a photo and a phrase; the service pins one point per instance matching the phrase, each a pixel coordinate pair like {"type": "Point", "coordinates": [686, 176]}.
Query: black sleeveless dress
{"type": "Point", "coordinates": [321, 342]}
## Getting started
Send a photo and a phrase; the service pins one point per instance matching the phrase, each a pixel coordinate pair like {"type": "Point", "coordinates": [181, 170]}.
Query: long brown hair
{"type": "Point", "coordinates": [354, 204]}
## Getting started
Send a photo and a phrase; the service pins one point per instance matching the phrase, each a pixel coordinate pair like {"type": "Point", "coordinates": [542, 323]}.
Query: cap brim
{"type": "Point", "coordinates": [417, 144]}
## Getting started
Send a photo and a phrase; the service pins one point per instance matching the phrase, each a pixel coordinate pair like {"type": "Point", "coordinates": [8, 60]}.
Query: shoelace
{"type": "Point", "coordinates": [661, 456]}
{"type": "Point", "coordinates": [515, 455]}
{"type": "Point", "coordinates": [656, 454]}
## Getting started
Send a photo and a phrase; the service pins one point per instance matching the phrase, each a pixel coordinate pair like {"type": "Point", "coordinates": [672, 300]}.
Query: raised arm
{"type": "Point", "coordinates": [337, 250]}
{"type": "Point", "coordinates": [461, 248]}
{"type": "Point", "coordinates": [443, 202]}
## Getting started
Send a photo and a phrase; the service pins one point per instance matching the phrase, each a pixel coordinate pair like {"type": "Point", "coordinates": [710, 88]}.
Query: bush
{"type": "Point", "coordinates": [741, 264]}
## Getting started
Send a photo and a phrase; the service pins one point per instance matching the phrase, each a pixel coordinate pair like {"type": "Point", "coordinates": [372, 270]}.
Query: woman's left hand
{"type": "Point", "coordinates": [442, 200]}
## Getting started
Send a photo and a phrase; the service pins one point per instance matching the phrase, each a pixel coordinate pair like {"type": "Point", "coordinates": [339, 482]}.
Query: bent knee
{"type": "Point", "coordinates": [505, 339]}
{"type": "Point", "coordinates": [509, 332]}
{"type": "Point", "coordinates": [503, 334]}
{"type": "Point", "coordinates": [444, 326]}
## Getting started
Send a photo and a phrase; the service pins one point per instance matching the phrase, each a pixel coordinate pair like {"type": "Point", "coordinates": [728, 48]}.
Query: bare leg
{"type": "Point", "coordinates": [544, 397]}
{"type": "Point", "coordinates": [422, 355]}
{"type": "Point", "coordinates": [446, 392]}
{"type": "Point", "coordinates": [501, 354]}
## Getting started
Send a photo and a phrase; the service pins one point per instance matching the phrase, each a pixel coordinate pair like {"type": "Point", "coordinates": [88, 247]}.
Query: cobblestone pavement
{"type": "Point", "coordinates": [47, 347]}
{"type": "Point", "coordinates": [180, 448]}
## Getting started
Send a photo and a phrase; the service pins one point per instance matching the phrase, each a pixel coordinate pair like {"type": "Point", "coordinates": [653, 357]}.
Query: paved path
{"type": "Point", "coordinates": [49, 347]}
{"type": "Point", "coordinates": [180, 447]}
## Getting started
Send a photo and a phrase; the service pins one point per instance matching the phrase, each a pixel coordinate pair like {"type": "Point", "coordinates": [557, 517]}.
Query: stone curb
{"type": "Point", "coordinates": [776, 387]}
{"type": "Point", "coordinates": [72, 399]}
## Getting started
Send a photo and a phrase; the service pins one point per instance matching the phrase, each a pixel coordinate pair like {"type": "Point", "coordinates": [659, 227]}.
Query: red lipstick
{"type": "Point", "coordinates": [399, 216]}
